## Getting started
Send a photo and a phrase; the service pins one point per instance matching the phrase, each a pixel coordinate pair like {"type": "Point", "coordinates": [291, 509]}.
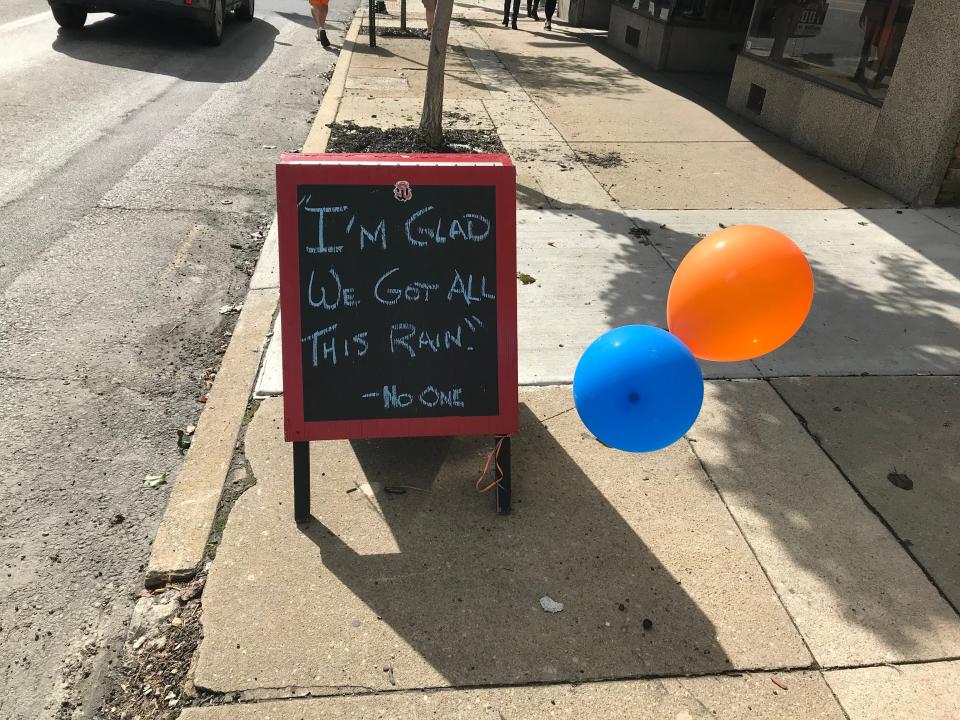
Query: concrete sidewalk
{"type": "Point", "coordinates": [772, 564]}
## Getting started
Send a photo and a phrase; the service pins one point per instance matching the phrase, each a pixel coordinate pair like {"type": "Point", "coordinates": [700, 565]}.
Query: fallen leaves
{"type": "Point", "coordinates": [900, 480]}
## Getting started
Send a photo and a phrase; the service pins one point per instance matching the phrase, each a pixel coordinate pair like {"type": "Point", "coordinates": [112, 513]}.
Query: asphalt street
{"type": "Point", "coordinates": [136, 171]}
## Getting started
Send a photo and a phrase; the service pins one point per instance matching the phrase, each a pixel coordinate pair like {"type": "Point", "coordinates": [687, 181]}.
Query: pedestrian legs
{"type": "Point", "coordinates": [551, 8]}
{"type": "Point", "coordinates": [506, 13]}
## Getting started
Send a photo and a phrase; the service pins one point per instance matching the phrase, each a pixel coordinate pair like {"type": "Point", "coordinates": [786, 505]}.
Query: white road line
{"type": "Point", "coordinates": [25, 21]}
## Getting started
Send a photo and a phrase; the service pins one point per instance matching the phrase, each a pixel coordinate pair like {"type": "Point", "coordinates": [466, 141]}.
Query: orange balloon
{"type": "Point", "coordinates": [740, 293]}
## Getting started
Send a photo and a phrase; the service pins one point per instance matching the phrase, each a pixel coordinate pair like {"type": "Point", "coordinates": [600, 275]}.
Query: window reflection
{"type": "Point", "coordinates": [723, 13]}
{"type": "Point", "coordinates": [851, 43]}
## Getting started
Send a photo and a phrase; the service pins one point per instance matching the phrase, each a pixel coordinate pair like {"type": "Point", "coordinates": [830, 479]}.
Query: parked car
{"type": "Point", "coordinates": [210, 14]}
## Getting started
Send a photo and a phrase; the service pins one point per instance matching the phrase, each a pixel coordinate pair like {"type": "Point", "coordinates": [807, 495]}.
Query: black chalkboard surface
{"type": "Point", "coordinates": [398, 302]}
{"type": "Point", "coordinates": [398, 297]}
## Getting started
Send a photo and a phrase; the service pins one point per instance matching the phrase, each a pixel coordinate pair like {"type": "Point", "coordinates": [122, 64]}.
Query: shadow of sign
{"type": "Point", "coordinates": [463, 589]}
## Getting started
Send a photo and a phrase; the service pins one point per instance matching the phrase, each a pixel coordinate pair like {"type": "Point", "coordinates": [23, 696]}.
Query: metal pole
{"type": "Point", "coordinates": [403, 15]}
{"type": "Point", "coordinates": [301, 482]}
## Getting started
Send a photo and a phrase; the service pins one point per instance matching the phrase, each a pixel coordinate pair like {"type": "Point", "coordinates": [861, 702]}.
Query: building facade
{"type": "Point", "coordinates": [871, 85]}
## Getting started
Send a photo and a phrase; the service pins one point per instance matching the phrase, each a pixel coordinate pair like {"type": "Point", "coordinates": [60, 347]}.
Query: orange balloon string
{"type": "Point", "coordinates": [493, 454]}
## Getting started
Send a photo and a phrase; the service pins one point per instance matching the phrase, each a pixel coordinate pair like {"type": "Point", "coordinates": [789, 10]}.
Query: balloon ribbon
{"type": "Point", "coordinates": [493, 455]}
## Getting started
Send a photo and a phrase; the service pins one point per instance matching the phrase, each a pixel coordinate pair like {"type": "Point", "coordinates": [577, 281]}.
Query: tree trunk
{"type": "Point", "coordinates": [431, 120]}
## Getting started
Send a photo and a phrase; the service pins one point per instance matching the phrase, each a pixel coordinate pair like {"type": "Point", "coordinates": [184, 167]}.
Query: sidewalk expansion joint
{"type": "Point", "coordinates": [301, 692]}
{"type": "Point", "coordinates": [900, 541]}
{"type": "Point", "coordinates": [756, 558]}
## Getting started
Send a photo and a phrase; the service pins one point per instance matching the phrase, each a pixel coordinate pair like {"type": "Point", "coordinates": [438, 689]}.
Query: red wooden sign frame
{"type": "Point", "coordinates": [386, 170]}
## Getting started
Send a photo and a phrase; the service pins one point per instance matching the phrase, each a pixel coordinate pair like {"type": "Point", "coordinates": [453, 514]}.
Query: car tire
{"type": "Point", "coordinates": [213, 26]}
{"type": "Point", "coordinates": [244, 10]}
{"type": "Point", "coordinates": [69, 17]}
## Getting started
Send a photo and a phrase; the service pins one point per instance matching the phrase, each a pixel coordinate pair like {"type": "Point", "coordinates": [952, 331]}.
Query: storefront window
{"type": "Point", "coordinates": [850, 43]}
{"type": "Point", "coordinates": [713, 13]}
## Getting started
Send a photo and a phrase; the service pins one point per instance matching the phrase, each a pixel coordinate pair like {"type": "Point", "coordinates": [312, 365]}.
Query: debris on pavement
{"type": "Point", "coordinates": [150, 613]}
{"type": "Point", "coordinates": [647, 624]}
{"type": "Point", "coordinates": [230, 309]}
{"type": "Point", "coordinates": [156, 480]}
{"type": "Point", "coordinates": [525, 278]}
{"type": "Point", "coordinates": [183, 440]}
{"type": "Point", "coordinates": [193, 589]}
{"type": "Point", "coordinates": [604, 160]}
{"type": "Point", "coordinates": [900, 480]}
{"type": "Point", "coordinates": [641, 234]}
{"type": "Point", "coordinates": [777, 682]}
{"type": "Point", "coordinates": [153, 674]}
{"type": "Point", "coordinates": [550, 605]}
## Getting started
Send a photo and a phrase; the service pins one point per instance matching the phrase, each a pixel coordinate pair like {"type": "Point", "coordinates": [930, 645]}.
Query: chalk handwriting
{"type": "Point", "coordinates": [346, 295]}
{"type": "Point", "coordinates": [320, 247]}
{"type": "Point", "coordinates": [398, 287]}
{"type": "Point", "coordinates": [429, 397]}
{"type": "Point", "coordinates": [470, 226]}
{"type": "Point", "coordinates": [466, 289]}
{"type": "Point", "coordinates": [378, 236]}
{"type": "Point", "coordinates": [407, 337]}
{"type": "Point", "coordinates": [327, 346]}
{"type": "Point", "coordinates": [416, 291]}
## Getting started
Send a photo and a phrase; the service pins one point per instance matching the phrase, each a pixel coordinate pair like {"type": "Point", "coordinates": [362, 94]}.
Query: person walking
{"type": "Point", "coordinates": [430, 10]}
{"type": "Point", "coordinates": [549, 10]}
{"type": "Point", "coordinates": [532, 9]}
{"type": "Point", "coordinates": [506, 13]}
{"type": "Point", "coordinates": [319, 8]}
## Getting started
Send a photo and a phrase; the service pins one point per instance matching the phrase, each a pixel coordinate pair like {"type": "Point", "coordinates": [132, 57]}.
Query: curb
{"type": "Point", "coordinates": [181, 539]}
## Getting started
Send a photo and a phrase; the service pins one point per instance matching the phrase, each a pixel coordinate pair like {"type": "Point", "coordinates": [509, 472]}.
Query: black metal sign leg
{"type": "Point", "coordinates": [502, 469]}
{"type": "Point", "coordinates": [372, 22]}
{"type": "Point", "coordinates": [301, 482]}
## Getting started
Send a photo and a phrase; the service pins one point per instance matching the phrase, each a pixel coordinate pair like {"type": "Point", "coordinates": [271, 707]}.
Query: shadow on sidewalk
{"type": "Point", "coordinates": [880, 307]}
{"type": "Point", "coordinates": [574, 75]}
{"type": "Point", "coordinates": [463, 588]}
{"type": "Point", "coordinates": [398, 61]}
{"type": "Point", "coordinates": [849, 569]}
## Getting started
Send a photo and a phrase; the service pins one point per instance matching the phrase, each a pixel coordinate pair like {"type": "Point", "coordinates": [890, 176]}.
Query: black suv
{"type": "Point", "coordinates": [72, 14]}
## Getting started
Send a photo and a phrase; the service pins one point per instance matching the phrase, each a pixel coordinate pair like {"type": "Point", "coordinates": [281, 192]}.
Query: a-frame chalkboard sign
{"type": "Point", "coordinates": [398, 300]}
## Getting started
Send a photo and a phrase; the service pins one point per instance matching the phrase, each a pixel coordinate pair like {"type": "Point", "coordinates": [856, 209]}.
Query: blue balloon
{"type": "Point", "coordinates": [638, 388]}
